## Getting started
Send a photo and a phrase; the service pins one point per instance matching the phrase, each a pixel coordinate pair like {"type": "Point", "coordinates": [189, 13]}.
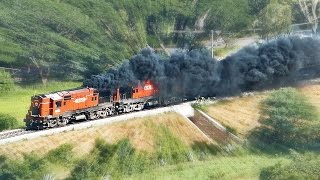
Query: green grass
{"type": "Point", "coordinates": [16, 102]}
{"type": "Point", "coordinates": [221, 167]}
{"type": "Point", "coordinates": [122, 161]}
{"type": "Point", "coordinates": [302, 167]}
{"type": "Point", "coordinates": [172, 159]}
{"type": "Point", "coordinates": [289, 120]}
{"type": "Point", "coordinates": [201, 107]}
{"type": "Point", "coordinates": [224, 51]}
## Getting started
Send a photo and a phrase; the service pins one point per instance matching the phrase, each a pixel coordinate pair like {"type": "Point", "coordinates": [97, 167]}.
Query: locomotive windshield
{"type": "Point", "coordinates": [35, 110]}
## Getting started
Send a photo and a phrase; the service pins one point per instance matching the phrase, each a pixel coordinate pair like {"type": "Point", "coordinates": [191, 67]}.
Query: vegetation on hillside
{"type": "Point", "coordinates": [7, 122]}
{"type": "Point", "coordinates": [173, 158]}
{"type": "Point", "coordinates": [73, 39]}
{"type": "Point", "coordinates": [288, 120]}
{"type": "Point", "coordinates": [271, 25]}
{"type": "Point", "coordinates": [108, 160]}
{"type": "Point", "coordinates": [302, 167]}
{"type": "Point", "coordinates": [69, 40]}
{"type": "Point", "coordinates": [288, 125]}
{"type": "Point", "coordinates": [6, 82]}
{"type": "Point", "coordinates": [16, 102]}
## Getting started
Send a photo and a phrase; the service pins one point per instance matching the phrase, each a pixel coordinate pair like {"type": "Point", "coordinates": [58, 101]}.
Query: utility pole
{"type": "Point", "coordinates": [212, 44]}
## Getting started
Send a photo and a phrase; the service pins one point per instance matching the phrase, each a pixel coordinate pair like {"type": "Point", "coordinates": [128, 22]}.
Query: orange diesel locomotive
{"type": "Point", "coordinates": [60, 108]}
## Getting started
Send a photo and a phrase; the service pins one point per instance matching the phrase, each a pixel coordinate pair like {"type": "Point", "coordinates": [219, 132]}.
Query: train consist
{"type": "Point", "coordinates": [60, 108]}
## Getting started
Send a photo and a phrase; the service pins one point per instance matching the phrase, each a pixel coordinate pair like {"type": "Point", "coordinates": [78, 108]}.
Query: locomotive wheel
{"type": "Point", "coordinates": [102, 114]}
{"type": "Point", "coordinates": [63, 122]}
{"type": "Point", "coordinates": [92, 116]}
{"type": "Point", "coordinates": [110, 112]}
{"type": "Point", "coordinates": [138, 107]}
{"type": "Point", "coordinates": [52, 123]}
{"type": "Point", "coordinates": [127, 109]}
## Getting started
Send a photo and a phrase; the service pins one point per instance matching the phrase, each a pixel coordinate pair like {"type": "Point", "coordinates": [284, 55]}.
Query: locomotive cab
{"type": "Point", "coordinates": [144, 90]}
{"type": "Point", "coordinates": [49, 110]}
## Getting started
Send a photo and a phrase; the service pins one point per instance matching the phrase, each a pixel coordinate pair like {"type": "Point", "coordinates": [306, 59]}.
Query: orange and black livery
{"type": "Point", "coordinates": [60, 108]}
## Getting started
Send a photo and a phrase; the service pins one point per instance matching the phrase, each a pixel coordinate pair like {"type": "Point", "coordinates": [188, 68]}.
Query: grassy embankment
{"type": "Point", "coordinates": [243, 113]}
{"type": "Point", "coordinates": [16, 102]}
{"type": "Point", "coordinates": [140, 132]}
{"type": "Point", "coordinates": [221, 167]}
{"type": "Point", "coordinates": [164, 147]}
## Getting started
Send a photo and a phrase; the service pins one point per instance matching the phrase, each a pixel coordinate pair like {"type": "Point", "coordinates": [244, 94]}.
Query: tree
{"type": "Point", "coordinates": [256, 6]}
{"type": "Point", "coordinates": [311, 12]}
{"type": "Point", "coordinates": [42, 63]}
{"type": "Point", "coordinates": [228, 16]}
{"type": "Point", "coordinates": [6, 82]}
{"type": "Point", "coordinates": [275, 18]}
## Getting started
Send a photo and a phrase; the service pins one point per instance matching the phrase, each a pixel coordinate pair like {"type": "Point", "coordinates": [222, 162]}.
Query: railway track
{"type": "Point", "coordinates": [22, 134]}
{"type": "Point", "coordinates": [13, 133]}
{"type": "Point", "coordinates": [17, 133]}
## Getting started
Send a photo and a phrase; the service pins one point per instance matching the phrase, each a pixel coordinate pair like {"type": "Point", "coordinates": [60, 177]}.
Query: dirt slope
{"type": "Point", "coordinates": [139, 131]}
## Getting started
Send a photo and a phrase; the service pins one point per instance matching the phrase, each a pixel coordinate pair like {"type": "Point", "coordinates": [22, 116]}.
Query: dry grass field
{"type": "Point", "coordinates": [243, 113]}
{"type": "Point", "coordinates": [139, 131]}
{"type": "Point", "coordinates": [312, 92]}
{"type": "Point", "coordinates": [240, 113]}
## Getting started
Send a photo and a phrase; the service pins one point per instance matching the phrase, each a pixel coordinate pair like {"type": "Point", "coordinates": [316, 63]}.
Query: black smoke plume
{"type": "Point", "coordinates": [195, 73]}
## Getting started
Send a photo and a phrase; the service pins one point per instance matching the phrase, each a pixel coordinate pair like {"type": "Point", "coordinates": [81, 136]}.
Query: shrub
{"type": "Point", "coordinates": [110, 160]}
{"type": "Point", "coordinates": [126, 160]}
{"type": "Point", "coordinates": [200, 107]}
{"type": "Point", "coordinates": [7, 122]}
{"type": "Point", "coordinates": [170, 149]}
{"type": "Point", "coordinates": [30, 168]}
{"type": "Point", "coordinates": [300, 168]}
{"type": "Point", "coordinates": [203, 150]}
{"type": "Point", "coordinates": [288, 119]}
{"type": "Point", "coordinates": [231, 129]}
{"type": "Point", "coordinates": [6, 82]}
{"type": "Point", "coordinates": [85, 169]}
{"type": "Point", "coordinates": [63, 154]}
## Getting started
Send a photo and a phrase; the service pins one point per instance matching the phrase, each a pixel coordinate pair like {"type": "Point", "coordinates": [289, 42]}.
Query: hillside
{"type": "Point", "coordinates": [166, 146]}
{"type": "Point", "coordinates": [166, 136]}
{"type": "Point", "coordinates": [243, 113]}
{"type": "Point", "coordinates": [240, 113]}
{"type": "Point", "coordinates": [16, 102]}
{"type": "Point", "coordinates": [78, 38]}
{"type": "Point", "coordinates": [140, 132]}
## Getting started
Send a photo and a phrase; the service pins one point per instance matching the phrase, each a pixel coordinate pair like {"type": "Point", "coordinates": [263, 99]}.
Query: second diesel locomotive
{"type": "Point", "coordinates": [59, 108]}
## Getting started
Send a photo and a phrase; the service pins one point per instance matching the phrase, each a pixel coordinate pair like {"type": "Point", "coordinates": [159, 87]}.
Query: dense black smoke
{"type": "Point", "coordinates": [195, 73]}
